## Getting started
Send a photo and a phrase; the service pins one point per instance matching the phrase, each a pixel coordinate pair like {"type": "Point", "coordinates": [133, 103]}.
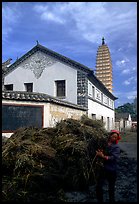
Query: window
{"type": "Point", "coordinates": [60, 88]}
{"type": "Point", "coordinates": [112, 104]}
{"type": "Point", "coordinates": [107, 101]}
{"type": "Point", "coordinates": [90, 93]}
{"type": "Point", "coordinates": [28, 87]}
{"type": "Point", "coordinates": [97, 94]}
{"type": "Point", "coordinates": [93, 91]}
{"type": "Point", "coordinates": [8, 87]}
{"type": "Point", "coordinates": [112, 123]}
{"type": "Point", "coordinates": [93, 116]}
{"type": "Point", "coordinates": [102, 97]}
{"type": "Point", "coordinates": [108, 124]}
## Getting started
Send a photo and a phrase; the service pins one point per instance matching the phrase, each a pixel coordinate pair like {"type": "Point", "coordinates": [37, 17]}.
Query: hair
{"type": "Point", "coordinates": [114, 133]}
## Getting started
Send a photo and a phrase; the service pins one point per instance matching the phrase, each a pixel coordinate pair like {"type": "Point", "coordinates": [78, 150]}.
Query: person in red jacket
{"type": "Point", "coordinates": [109, 173]}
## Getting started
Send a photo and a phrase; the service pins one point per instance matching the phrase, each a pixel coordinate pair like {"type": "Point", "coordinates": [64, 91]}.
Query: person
{"type": "Point", "coordinates": [109, 173]}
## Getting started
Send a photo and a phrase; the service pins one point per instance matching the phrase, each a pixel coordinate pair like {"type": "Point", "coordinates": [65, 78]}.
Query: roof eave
{"type": "Point", "coordinates": [39, 47]}
{"type": "Point", "coordinates": [91, 74]}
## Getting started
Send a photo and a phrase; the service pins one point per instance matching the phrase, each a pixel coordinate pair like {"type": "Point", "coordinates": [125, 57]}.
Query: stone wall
{"type": "Point", "coordinates": [58, 113]}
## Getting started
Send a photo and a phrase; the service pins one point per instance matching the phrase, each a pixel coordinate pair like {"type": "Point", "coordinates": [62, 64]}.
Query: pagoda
{"type": "Point", "coordinates": [104, 65]}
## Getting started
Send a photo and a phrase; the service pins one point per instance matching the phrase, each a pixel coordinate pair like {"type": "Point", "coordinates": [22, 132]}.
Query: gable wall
{"type": "Point", "coordinates": [42, 70]}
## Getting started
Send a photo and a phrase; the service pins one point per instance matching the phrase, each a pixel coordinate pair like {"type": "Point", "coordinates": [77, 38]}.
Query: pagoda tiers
{"type": "Point", "coordinates": [104, 66]}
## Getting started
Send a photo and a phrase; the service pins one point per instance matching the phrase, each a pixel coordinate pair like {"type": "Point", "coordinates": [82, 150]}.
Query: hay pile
{"type": "Point", "coordinates": [41, 164]}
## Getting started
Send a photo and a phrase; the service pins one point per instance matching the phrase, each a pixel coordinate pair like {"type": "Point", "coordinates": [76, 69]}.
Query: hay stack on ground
{"type": "Point", "coordinates": [41, 164]}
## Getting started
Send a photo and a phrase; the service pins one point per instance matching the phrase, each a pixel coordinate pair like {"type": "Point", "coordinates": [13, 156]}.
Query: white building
{"type": "Point", "coordinates": [123, 121]}
{"type": "Point", "coordinates": [42, 70]}
{"type": "Point", "coordinates": [23, 109]}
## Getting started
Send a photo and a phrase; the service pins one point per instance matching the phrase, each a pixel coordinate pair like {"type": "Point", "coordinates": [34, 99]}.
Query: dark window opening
{"type": "Point", "coordinates": [8, 87]}
{"type": "Point", "coordinates": [29, 87]}
{"type": "Point", "coordinates": [60, 88]}
{"type": "Point", "coordinates": [93, 116]}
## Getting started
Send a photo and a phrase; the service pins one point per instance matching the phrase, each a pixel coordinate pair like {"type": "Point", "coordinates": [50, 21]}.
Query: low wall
{"type": "Point", "coordinates": [18, 114]}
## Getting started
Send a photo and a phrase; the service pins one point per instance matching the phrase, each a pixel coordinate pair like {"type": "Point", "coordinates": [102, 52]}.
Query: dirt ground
{"type": "Point", "coordinates": [128, 143]}
{"type": "Point", "coordinates": [126, 184]}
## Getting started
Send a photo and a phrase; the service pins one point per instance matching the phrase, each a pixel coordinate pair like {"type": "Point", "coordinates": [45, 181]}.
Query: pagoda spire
{"type": "Point", "coordinates": [37, 42]}
{"type": "Point", "coordinates": [103, 42]}
{"type": "Point", "coordinates": [104, 65]}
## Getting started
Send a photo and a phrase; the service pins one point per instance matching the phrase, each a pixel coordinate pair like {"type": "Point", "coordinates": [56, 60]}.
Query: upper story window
{"type": "Point", "coordinates": [102, 97]}
{"type": "Point", "coordinates": [93, 91]}
{"type": "Point", "coordinates": [90, 91]}
{"type": "Point", "coordinates": [112, 104]}
{"type": "Point", "coordinates": [29, 87]}
{"type": "Point", "coordinates": [107, 101]}
{"type": "Point", "coordinates": [97, 94]}
{"type": "Point", "coordinates": [8, 87]}
{"type": "Point", "coordinates": [60, 88]}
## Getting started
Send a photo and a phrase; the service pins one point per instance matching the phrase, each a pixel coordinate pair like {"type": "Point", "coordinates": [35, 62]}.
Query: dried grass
{"type": "Point", "coordinates": [40, 164]}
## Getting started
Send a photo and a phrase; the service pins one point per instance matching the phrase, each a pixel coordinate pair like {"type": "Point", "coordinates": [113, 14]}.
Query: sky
{"type": "Point", "coordinates": [75, 30]}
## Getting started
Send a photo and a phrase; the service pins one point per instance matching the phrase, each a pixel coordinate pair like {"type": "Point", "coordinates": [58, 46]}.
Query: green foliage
{"type": "Point", "coordinates": [127, 108]}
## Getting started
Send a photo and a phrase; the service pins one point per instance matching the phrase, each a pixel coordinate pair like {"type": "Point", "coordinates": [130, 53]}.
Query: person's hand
{"type": "Point", "coordinates": [100, 153]}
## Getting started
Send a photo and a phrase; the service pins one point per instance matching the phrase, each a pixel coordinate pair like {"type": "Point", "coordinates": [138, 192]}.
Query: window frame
{"type": "Point", "coordinates": [27, 88]}
{"type": "Point", "coordinates": [8, 85]}
{"type": "Point", "coordinates": [60, 88]}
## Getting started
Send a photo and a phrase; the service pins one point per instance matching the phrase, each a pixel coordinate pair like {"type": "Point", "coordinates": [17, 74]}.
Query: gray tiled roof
{"type": "Point", "coordinates": [39, 47]}
{"type": "Point", "coordinates": [39, 97]}
{"type": "Point", "coordinates": [64, 59]}
{"type": "Point", "coordinates": [119, 116]}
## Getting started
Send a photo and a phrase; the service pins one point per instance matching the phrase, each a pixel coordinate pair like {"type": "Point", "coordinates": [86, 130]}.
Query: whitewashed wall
{"type": "Point", "coordinates": [53, 113]}
{"type": "Point", "coordinates": [100, 110]}
{"type": "Point", "coordinates": [43, 71]}
{"type": "Point", "coordinates": [101, 105]}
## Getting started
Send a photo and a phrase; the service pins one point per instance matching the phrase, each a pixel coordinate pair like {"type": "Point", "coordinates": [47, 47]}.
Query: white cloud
{"type": "Point", "coordinates": [125, 97]}
{"type": "Point", "coordinates": [46, 14]}
{"type": "Point", "coordinates": [130, 71]}
{"type": "Point", "coordinates": [131, 94]}
{"type": "Point", "coordinates": [10, 16]}
{"type": "Point", "coordinates": [92, 20]}
{"type": "Point", "coordinates": [130, 80]}
{"type": "Point", "coordinates": [120, 49]}
{"type": "Point", "coordinates": [134, 69]}
{"type": "Point", "coordinates": [126, 71]}
{"type": "Point", "coordinates": [126, 82]}
{"type": "Point", "coordinates": [122, 62]}
{"type": "Point", "coordinates": [52, 17]}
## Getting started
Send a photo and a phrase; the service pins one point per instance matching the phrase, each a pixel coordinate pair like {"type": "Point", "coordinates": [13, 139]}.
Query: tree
{"type": "Point", "coordinates": [127, 108]}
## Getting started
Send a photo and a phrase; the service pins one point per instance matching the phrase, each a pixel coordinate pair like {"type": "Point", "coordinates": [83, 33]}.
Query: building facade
{"type": "Point", "coordinates": [104, 65]}
{"type": "Point", "coordinates": [123, 121]}
{"type": "Point", "coordinates": [42, 70]}
{"type": "Point", "coordinates": [25, 109]}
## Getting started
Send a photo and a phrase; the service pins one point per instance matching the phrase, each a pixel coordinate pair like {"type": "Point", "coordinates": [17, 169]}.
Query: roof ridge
{"type": "Point", "coordinates": [50, 52]}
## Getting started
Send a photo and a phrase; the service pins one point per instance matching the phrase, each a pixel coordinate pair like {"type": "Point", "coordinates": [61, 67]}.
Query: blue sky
{"type": "Point", "coordinates": [75, 30]}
